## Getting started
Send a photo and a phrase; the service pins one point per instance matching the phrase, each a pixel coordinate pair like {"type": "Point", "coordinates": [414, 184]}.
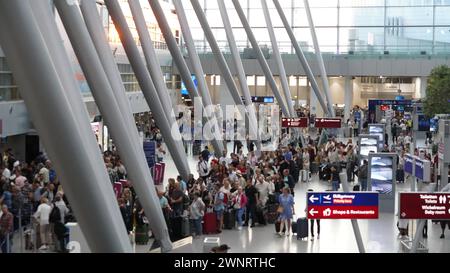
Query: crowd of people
{"type": "Point", "coordinates": [32, 199]}
{"type": "Point", "coordinates": [233, 190]}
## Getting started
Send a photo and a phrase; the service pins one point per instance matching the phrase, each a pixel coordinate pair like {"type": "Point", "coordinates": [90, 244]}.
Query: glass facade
{"type": "Point", "coordinates": [342, 26]}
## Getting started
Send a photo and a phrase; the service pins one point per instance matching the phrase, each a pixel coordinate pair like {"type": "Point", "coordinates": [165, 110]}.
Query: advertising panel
{"type": "Point", "coordinates": [367, 144]}
{"type": "Point", "coordinates": [381, 174]}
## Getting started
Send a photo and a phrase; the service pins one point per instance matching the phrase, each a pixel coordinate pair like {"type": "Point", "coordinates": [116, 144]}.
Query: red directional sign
{"type": "Point", "coordinates": [338, 205]}
{"type": "Point", "coordinates": [327, 123]}
{"type": "Point", "coordinates": [435, 206]}
{"type": "Point", "coordinates": [294, 122]}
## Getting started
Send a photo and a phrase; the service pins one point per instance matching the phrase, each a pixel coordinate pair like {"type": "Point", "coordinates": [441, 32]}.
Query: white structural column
{"type": "Point", "coordinates": [223, 66]}
{"type": "Point", "coordinates": [301, 57]}
{"type": "Point", "coordinates": [152, 59]}
{"type": "Point", "coordinates": [423, 87]}
{"type": "Point", "coordinates": [62, 126]}
{"type": "Point", "coordinates": [199, 73]}
{"type": "Point", "coordinates": [261, 59]}
{"type": "Point", "coordinates": [278, 60]}
{"type": "Point", "coordinates": [236, 57]}
{"type": "Point", "coordinates": [348, 97]}
{"type": "Point", "coordinates": [130, 151]}
{"type": "Point", "coordinates": [178, 58]}
{"type": "Point", "coordinates": [171, 135]}
{"type": "Point", "coordinates": [314, 105]}
{"type": "Point", "coordinates": [95, 28]}
{"type": "Point", "coordinates": [323, 72]}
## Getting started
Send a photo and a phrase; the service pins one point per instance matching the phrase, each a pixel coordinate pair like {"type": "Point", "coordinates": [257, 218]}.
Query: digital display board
{"type": "Point", "coordinates": [184, 90]}
{"type": "Point", "coordinates": [381, 174]}
{"type": "Point", "coordinates": [377, 130]}
{"type": "Point", "coordinates": [423, 123]}
{"type": "Point", "coordinates": [367, 145]}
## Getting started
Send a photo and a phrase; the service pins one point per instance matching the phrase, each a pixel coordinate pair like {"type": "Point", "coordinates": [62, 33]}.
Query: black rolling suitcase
{"type": "Point", "coordinates": [229, 219]}
{"type": "Point", "coordinates": [302, 228]}
{"type": "Point", "coordinates": [176, 228]}
{"type": "Point", "coordinates": [400, 175]}
{"type": "Point", "coordinates": [314, 168]}
{"type": "Point", "coordinates": [324, 172]}
{"type": "Point", "coordinates": [261, 216]}
{"type": "Point", "coordinates": [196, 147]}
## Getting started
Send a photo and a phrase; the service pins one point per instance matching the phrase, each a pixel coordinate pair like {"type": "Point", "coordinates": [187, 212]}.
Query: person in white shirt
{"type": "Point", "coordinates": [407, 140]}
{"type": "Point", "coordinates": [44, 174]}
{"type": "Point", "coordinates": [202, 168]}
{"type": "Point", "coordinates": [226, 187]}
{"type": "Point", "coordinates": [329, 145]}
{"type": "Point", "coordinates": [43, 216]}
{"type": "Point", "coordinates": [196, 212]}
{"type": "Point", "coordinates": [285, 141]}
{"type": "Point", "coordinates": [224, 159]}
{"type": "Point", "coordinates": [160, 152]}
{"type": "Point", "coordinates": [63, 210]}
{"type": "Point", "coordinates": [263, 188]}
{"type": "Point", "coordinates": [5, 171]}
{"type": "Point", "coordinates": [232, 176]}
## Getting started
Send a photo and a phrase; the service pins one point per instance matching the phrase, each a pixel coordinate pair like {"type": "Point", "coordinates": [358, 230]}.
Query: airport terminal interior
{"type": "Point", "coordinates": [194, 126]}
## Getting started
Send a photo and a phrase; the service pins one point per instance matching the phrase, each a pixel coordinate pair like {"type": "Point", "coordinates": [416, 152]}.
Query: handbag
{"type": "Point", "coordinates": [280, 209]}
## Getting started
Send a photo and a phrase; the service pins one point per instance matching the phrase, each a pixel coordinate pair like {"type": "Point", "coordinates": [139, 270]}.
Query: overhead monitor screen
{"type": "Point", "coordinates": [377, 131]}
{"type": "Point", "coordinates": [365, 150]}
{"type": "Point", "coordinates": [184, 90]}
{"type": "Point", "coordinates": [381, 174]}
{"type": "Point", "coordinates": [368, 145]}
{"type": "Point", "coordinates": [365, 141]}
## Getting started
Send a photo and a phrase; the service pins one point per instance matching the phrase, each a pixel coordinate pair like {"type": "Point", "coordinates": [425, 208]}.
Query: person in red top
{"type": "Point", "coordinates": [241, 167]}
{"type": "Point", "coordinates": [6, 228]}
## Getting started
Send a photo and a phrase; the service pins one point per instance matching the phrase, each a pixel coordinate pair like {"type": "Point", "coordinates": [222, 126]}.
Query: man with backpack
{"type": "Point", "coordinates": [202, 168]}
{"type": "Point", "coordinates": [362, 175]}
{"type": "Point", "coordinates": [57, 218]}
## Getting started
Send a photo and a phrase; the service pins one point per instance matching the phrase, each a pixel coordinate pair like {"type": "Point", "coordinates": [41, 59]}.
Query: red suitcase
{"type": "Point", "coordinates": [209, 223]}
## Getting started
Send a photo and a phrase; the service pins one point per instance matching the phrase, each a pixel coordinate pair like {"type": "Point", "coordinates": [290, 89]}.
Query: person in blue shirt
{"type": "Point", "coordinates": [288, 155]}
{"type": "Point", "coordinates": [183, 184]}
{"type": "Point", "coordinates": [286, 201]}
{"type": "Point", "coordinates": [6, 198]}
{"type": "Point", "coordinates": [219, 207]}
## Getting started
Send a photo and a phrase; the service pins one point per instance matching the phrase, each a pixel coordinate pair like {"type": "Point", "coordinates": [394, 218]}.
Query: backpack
{"type": "Point", "coordinates": [55, 215]}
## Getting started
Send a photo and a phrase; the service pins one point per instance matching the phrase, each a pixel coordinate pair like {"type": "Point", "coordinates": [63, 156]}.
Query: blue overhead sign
{"type": "Point", "coordinates": [342, 205]}
{"type": "Point", "coordinates": [343, 199]}
{"type": "Point", "coordinates": [150, 153]}
{"type": "Point", "coordinates": [422, 170]}
{"type": "Point", "coordinates": [409, 163]}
